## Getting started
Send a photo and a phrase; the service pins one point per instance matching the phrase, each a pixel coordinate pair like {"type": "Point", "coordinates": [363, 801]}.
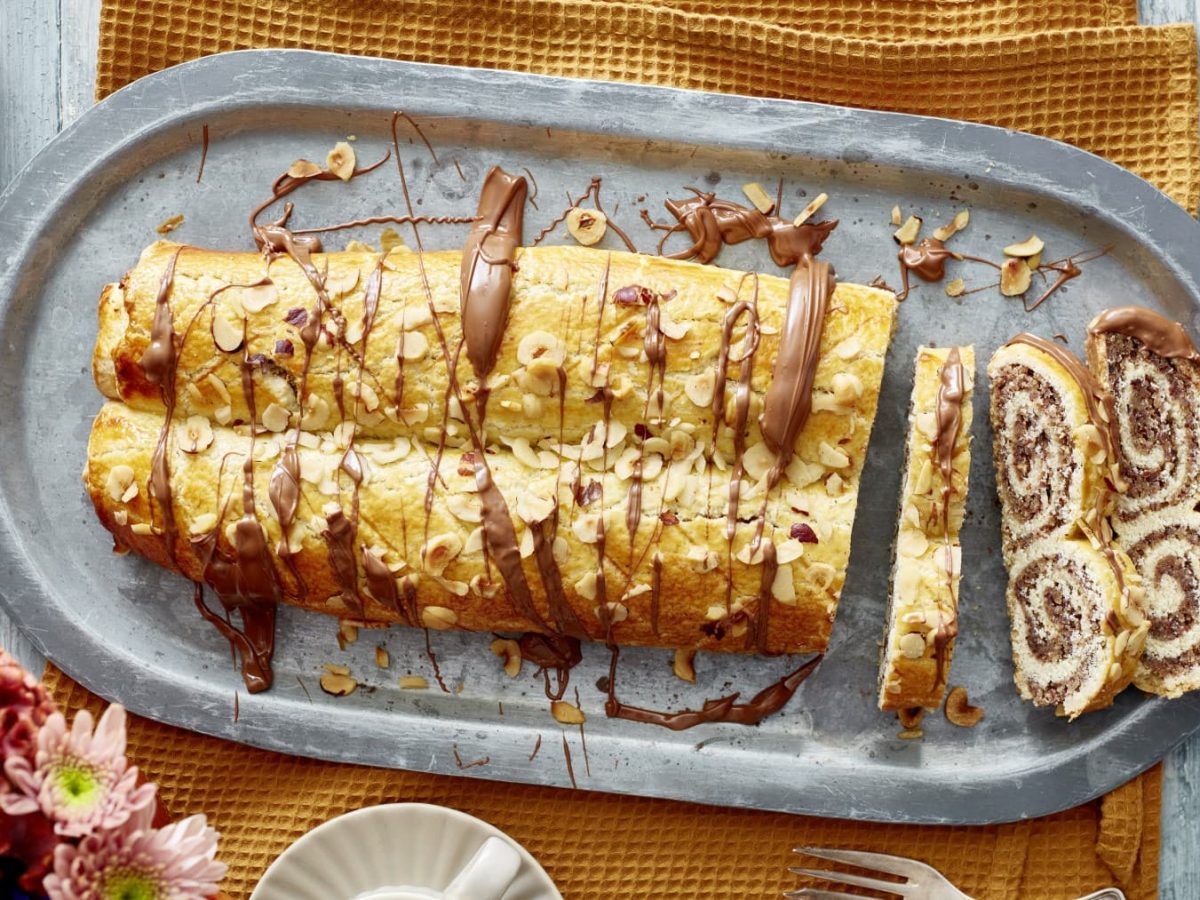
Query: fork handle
{"type": "Point", "coordinates": [1111, 893]}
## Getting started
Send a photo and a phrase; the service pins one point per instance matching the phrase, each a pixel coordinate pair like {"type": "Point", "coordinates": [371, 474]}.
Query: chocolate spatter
{"type": "Point", "coordinates": [724, 709]}
{"type": "Point", "coordinates": [927, 259]}
{"type": "Point", "coordinates": [552, 653]}
{"type": "Point", "coordinates": [1161, 335]}
{"type": "Point", "coordinates": [160, 364]}
{"type": "Point", "coordinates": [741, 401]}
{"type": "Point", "coordinates": [712, 223]}
{"type": "Point", "coordinates": [254, 641]}
{"type": "Point", "coordinates": [487, 267]}
{"type": "Point", "coordinates": [756, 636]}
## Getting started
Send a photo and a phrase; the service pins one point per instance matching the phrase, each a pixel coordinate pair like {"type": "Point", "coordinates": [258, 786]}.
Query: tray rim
{"type": "Point", "coordinates": [1030, 162]}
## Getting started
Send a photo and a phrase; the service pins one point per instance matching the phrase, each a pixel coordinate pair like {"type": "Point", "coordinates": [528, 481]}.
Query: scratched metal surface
{"type": "Point", "coordinates": [82, 211]}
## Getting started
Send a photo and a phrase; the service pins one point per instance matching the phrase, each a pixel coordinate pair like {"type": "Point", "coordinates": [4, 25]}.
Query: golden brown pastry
{"type": "Point", "coordinates": [1074, 597]}
{"type": "Point", "coordinates": [922, 619]}
{"type": "Point", "coordinates": [382, 508]}
{"type": "Point", "coordinates": [1152, 369]}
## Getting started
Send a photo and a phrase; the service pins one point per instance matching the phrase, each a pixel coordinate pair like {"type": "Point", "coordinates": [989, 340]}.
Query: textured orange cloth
{"type": "Point", "coordinates": [1077, 70]}
{"type": "Point", "coordinates": [611, 847]}
{"type": "Point", "coordinates": [1125, 92]}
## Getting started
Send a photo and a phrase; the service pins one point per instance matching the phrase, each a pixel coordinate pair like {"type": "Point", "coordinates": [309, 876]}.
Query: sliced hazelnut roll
{"type": "Point", "coordinates": [1073, 596]}
{"type": "Point", "coordinates": [1076, 634]}
{"type": "Point", "coordinates": [1152, 368]}
{"type": "Point", "coordinates": [1052, 441]}
{"type": "Point", "coordinates": [922, 619]}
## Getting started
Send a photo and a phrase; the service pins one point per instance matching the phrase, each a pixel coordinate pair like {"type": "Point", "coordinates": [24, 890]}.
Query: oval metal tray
{"type": "Point", "coordinates": [84, 208]}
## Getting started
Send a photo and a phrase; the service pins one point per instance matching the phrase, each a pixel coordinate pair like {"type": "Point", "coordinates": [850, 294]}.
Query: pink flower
{"type": "Point", "coordinates": [79, 780]}
{"type": "Point", "coordinates": [24, 708]}
{"type": "Point", "coordinates": [138, 862]}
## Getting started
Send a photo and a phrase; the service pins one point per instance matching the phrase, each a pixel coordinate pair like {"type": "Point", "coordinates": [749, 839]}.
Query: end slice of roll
{"type": "Point", "coordinates": [1151, 367]}
{"type": "Point", "coordinates": [1074, 598]}
{"type": "Point", "coordinates": [922, 619]}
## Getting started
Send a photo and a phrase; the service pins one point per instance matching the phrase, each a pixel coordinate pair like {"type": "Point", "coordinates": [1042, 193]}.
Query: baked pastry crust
{"type": "Point", "coordinates": [922, 618]}
{"type": "Point", "coordinates": [534, 450]}
{"type": "Point", "coordinates": [1073, 595]}
{"type": "Point", "coordinates": [1151, 368]}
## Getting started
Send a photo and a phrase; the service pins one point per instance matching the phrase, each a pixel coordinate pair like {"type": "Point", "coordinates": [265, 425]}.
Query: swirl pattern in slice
{"type": "Point", "coordinates": [1073, 596]}
{"type": "Point", "coordinates": [1153, 371]}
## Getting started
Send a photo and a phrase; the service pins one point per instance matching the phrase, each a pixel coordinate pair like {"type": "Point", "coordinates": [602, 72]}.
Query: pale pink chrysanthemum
{"type": "Point", "coordinates": [79, 780]}
{"type": "Point", "coordinates": [138, 862]}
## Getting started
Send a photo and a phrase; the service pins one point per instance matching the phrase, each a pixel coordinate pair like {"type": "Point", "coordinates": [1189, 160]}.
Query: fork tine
{"type": "Point", "coordinates": [880, 862]}
{"type": "Point", "coordinates": [818, 894]}
{"type": "Point", "coordinates": [875, 884]}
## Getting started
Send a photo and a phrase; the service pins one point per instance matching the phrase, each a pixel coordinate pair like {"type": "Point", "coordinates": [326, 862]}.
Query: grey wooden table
{"type": "Point", "coordinates": [47, 71]}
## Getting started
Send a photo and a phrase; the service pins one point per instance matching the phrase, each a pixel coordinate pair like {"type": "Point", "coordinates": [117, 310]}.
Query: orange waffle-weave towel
{"type": "Point", "coordinates": [1076, 70]}
{"type": "Point", "coordinates": [610, 847]}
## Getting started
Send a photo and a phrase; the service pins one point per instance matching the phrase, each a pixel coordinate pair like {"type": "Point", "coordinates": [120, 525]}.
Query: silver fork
{"type": "Point", "coordinates": [921, 882]}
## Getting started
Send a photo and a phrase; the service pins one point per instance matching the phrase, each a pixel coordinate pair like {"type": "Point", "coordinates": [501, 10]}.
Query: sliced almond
{"type": "Point", "coordinates": [439, 551]}
{"type": "Point", "coordinates": [587, 226]}
{"type": "Point", "coordinates": [956, 287]}
{"type": "Point", "coordinates": [533, 508]}
{"type": "Point", "coordinates": [1031, 246]}
{"type": "Point", "coordinates": [439, 618]}
{"type": "Point", "coordinates": [683, 665]}
{"type": "Point", "coordinates": [910, 542]}
{"type": "Point", "coordinates": [540, 345]}
{"type": "Point", "coordinates": [413, 683]}
{"type": "Point", "coordinates": [912, 645]}
{"type": "Point", "coordinates": [1015, 277]}
{"type": "Point", "coordinates": [259, 297]}
{"type": "Point", "coordinates": [389, 240]}
{"type": "Point", "coordinates": [412, 345]}
{"type": "Point", "coordinates": [338, 684]}
{"type": "Point", "coordinates": [951, 228]}
{"type": "Point", "coordinates": [727, 294]}
{"type": "Point", "coordinates": [275, 418]}
{"type": "Point", "coordinates": [510, 652]}
{"type": "Point", "coordinates": [567, 713]}
{"type": "Point", "coordinates": [896, 215]}
{"type": "Point", "coordinates": [848, 349]}
{"type": "Point", "coordinates": [806, 213]}
{"type": "Point", "coordinates": [760, 198]}
{"type": "Point", "coordinates": [203, 523]}
{"type": "Point", "coordinates": [121, 483]}
{"type": "Point", "coordinates": [226, 334]}
{"type": "Point", "coordinates": [847, 388]}
{"type": "Point", "coordinates": [832, 457]}
{"type": "Point", "coordinates": [340, 161]}
{"type": "Point", "coordinates": [303, 168]}
{"type": "Point", "coordinates": [907, 233]}
{"type": "Point", "coordinates": [959, 710]}
{"type": "Point", "coordinates": [166, 226]}
{"type": "Point", "coordinates": [699, 388]}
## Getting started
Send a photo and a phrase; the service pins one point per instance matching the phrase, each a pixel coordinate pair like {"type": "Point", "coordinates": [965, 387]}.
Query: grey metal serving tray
{"type": "Point", "coordinates": [83, 209]}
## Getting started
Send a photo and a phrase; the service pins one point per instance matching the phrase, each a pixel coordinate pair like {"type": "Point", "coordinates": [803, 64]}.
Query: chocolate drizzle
{"type": "Point", "coordinates": [487, 267]}
{"type": "Point", "coordinates": [788, 401]}
{"type": "Point", "coordinates": [711, 223]}
{"type": "Point", "coordinates": [723, 709]}
{"type": "Point", "coordinates": [952, 391]}
{"type": "Point", "coordinates": [1161, 335]}
{"type": "Point", "coordinates": [160, 365]}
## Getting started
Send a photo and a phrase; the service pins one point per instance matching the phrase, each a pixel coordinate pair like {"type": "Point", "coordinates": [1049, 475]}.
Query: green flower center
{"type": "Point", "coordinates": [78, 785]}
{"type": "Point", "coordinates": [126, 885]}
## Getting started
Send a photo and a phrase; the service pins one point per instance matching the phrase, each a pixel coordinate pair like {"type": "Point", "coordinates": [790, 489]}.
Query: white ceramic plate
{"type": "Point", "coordinates": [394, 844]}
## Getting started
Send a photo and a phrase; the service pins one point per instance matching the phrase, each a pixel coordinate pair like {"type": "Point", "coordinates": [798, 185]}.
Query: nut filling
{"type": "Point", "coordinates": [1034, 444]}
